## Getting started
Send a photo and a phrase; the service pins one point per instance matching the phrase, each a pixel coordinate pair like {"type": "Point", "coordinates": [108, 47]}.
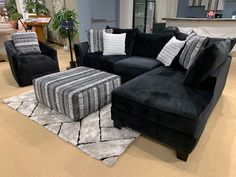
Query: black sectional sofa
{"type": "Point", "coordinates": [153, 98]}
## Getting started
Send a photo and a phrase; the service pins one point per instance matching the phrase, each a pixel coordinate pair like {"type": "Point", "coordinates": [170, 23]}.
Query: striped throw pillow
{"type": "Point", "coordinates": [26, 42]}
{"type": "Point", "coordinates": [194, 45]}
{"type": "Point", "coordinates": [95, 39]}
{"type": "Point", "coordinates": [114, 44]}
{"type": "Point", "coordinates": [170, 51]}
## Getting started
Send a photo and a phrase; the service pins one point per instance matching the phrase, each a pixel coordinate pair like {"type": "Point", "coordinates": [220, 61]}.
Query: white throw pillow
{"type": "Point", "coordinates": [114, 44]}
{"type": "Point", "coordinates": [170, 51]}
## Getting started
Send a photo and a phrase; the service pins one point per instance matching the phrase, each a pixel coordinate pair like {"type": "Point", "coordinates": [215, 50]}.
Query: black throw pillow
{"type": "Point", "coordinates": [207, 62]}
{"type": "Point", "coordinates": [217, 40]}
{"type": "Point", "coordinates": [150, 45]}
{"type": "Point", "coordinates": [130, 38]}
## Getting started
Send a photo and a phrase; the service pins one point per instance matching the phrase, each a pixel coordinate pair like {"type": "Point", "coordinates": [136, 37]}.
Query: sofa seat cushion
{"type": "Point", "coordinates": [160, 96]}
{"type": "Point", "coordinates": [35, 64]}
{"type": "Point", "coordinates": [135, 66]}
{"type": "Point", "coordinates": [98, 61]}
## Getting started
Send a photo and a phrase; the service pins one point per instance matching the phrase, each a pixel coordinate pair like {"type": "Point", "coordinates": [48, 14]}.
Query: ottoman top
{"type": "Point", "coordinates": [82, 77]}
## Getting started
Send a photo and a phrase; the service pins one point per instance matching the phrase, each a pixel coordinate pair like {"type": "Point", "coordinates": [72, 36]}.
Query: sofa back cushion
{"type": "Point", "coordinates": [209, 60]}
{"type": "Point", "coordinates": [26, 42]}
{"type": "Point", "coordinates": [130, 38]}
{"type": "Point", "coordinates": [150, 45]}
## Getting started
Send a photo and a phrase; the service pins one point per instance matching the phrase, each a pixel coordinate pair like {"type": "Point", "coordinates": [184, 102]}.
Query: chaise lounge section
{"type": "Point", "coordinates": [154, 98]}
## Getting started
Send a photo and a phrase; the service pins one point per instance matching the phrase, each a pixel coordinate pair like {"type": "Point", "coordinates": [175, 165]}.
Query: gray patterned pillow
{"type": "Point", "coordinates": [95, 39]}
{"type": "Point", "coordinates": [26, 42]}
{"type": "Point", "coordinates": [194, 45]}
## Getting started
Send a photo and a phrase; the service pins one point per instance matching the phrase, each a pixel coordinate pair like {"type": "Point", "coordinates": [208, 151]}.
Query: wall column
{"type": "Point", "coordinates": [126, 13]}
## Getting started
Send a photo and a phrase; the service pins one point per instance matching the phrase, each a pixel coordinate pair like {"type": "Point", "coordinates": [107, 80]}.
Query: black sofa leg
{"type": "Point", "coordinates": [117, 125]}
{"type": "Point", "coordinates": [182, 155]}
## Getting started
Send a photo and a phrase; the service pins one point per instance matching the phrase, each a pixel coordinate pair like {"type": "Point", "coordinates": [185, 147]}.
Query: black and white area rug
{"type": "Point", "coordinates": [94, 134]}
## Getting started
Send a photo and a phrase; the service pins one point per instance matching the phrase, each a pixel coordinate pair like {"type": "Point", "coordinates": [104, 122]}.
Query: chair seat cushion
{"type": "Point", "coordinates": [160, 96]}
{"type": "Point", "coordinates": [135, 66]}
{"type": "Point", "coordinates": [35, 64]}
{"type": "Point", "coordinates": [98, 61]}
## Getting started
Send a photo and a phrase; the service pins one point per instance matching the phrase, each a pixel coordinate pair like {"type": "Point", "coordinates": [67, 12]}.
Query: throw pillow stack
{"type": "Point", "coordinates": [199, 56]}
{"type": "Point", "coordinates": [112, 41]}
{"type": "Point", "coordinates": [95, 39]}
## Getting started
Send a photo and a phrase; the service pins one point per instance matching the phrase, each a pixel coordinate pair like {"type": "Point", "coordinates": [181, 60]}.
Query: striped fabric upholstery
{"type": "Point", "coordinates": [170, 51]}
{"type": "Point", "coordinates": [77, 92]}
{"type": "Point", "coordinates": [95, 39]}
{"type": "Point", "coordinates": [26, 42]}
{"type": "Point", "coordinates": [194, 45]}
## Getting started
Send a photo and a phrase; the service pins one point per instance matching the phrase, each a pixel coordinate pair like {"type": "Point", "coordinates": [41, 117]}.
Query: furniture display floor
{"type": "Point", "coordinates": [94, 134]}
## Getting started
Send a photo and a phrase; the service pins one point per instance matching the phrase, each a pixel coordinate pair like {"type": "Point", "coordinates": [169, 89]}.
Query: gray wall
{"type": "Point", "coordinates": [229, 8]}
{"type": "Point", "coordinates": [190, 11]}
{"type": "Point", "coordinates": [84, 18]}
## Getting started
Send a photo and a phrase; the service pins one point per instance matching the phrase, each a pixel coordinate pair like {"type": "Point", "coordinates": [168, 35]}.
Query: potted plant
{"type": "Point", "coordinates": [36, 6]}
{"type": "Point", "coordinates": [66, 15]}
{"type": "Point", "coordinates": [12, 12]}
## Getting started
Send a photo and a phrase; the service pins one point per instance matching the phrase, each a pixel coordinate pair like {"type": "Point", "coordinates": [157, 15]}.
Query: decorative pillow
{"type": "Point", "coordinates": [170, 51]}
{"type": "Point", "coordinates": [95, 39]}
{"type": "Point", "coordinates": [194, 45]}
{"type": "Point", "coordinates": [26, 42]}
{"type": "Point", "coordinates": [114, 44]}
{"type": "Point", "coordinates": [130, 38]}
{"type": "Point", "coordinates": [150, 45]}
{"type": "Point", "coordinates": [209, 60]}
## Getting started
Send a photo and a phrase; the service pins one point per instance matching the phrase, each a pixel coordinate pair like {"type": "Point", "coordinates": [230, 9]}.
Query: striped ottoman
{"type": "Point", "coordinates": [77, 92]}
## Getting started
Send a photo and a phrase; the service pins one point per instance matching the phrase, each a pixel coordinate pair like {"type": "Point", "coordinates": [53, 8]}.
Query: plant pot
{"type": "Point", "coordinates": [13, 24]}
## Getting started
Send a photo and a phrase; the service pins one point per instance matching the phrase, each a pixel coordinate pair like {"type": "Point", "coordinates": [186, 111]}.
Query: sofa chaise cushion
{"type": "Point", "coordinates": [160, 96]}
{"type": "Point", "coordinates": [98, 61]}
{"type": "Point", "coordinates": [150, 45]}
{"type": "Point", "coordinates": [135, 66]}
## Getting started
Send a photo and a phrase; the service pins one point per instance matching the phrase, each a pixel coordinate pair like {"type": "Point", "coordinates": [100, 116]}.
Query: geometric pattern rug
{"type": "Point", "coordinates": [94, 134]}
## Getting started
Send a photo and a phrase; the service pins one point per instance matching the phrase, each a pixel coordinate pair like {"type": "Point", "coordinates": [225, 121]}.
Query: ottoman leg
{"type": "Point", "coordinates": [182, 155]}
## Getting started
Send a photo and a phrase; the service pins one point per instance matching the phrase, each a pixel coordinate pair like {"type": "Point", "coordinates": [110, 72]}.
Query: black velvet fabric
{"type": "Point", "coordinates": [217, 40]}
{"type": "Point", "coordinates": [81, 49]}
{"type": "Point", "coordinates": [130, 38]}
{"type": "Point", "coordinates": [25, 68]}
{"type": "Point", "coordinates": [150, 45]}
{"type": "Point", "coordinates": [180, 141]}
{"type": "Point", "coordinates": [161, 97]}
{"type": "Point", "coordinates": [105, 63]}
{"type": "Point", "coordinates": [33, 64]}
{"type": "Point", "coordinates": [207, 63]}
{"type": "Point", "coordinates": [135, 66]}
{"type": "Point", "coordinates": [175, 63]}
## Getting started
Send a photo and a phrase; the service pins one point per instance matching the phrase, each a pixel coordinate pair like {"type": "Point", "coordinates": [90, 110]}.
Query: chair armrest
{"type": "Point", "coordinates": [13, 58]}
{"type": "Point", "coordinates": [81, 49]}
{"type": "Point", "coordinates": [49, 51]}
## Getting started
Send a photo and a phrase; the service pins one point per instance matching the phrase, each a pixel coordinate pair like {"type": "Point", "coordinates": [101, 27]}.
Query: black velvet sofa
{"type": "Point", "coordinates": [25, 68]}
{"type": "Point", "coordinates": [153, 99]}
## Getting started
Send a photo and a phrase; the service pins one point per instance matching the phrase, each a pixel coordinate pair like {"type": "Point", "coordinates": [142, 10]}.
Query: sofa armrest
{"type": "Point", "coordinates": [81, 49]}
{"type": "Point", "coordinates": [13, 58]}
{"type": "Point", "coordinates": [49, 51]}
{"type": "Point", "coordinates": [216, 82]}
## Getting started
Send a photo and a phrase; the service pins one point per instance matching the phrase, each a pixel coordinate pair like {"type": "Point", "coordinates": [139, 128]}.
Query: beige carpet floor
{"type": "Point", "coordinates": [28, 150]}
